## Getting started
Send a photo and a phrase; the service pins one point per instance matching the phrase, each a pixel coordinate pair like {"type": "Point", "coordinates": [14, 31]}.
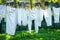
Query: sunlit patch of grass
{"type": "Point", "coordinates": [41, 38]}
{"type": "Point", "coordinates": [2, 34]}
{"type": "Point", "coordinates": [58, 30]}
{"type": "Point", "coordinates": [8, 37]}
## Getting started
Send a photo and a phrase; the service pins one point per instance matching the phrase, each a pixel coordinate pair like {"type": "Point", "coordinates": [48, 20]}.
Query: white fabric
{"type": "Point", "coordinates": [0, 18]}
{"type": "Point", "coordinates": [56, 14]}
{"type": "Point", "coordinates": [59, 10]}
{"type": "Point", "coordinates": [29, 25]}
{"type": "Point", "coordinates": [34, 14]}
{"type": "Point", "coordinates": [19, 16]}
{"type": "Point", "coordinates": [37, 15]}
{"type": "Point", "coordinates": [10, 20]}
{"type": "Point", "coordinates": [4, 12]}
{"type": "Point", "coordinates": [37, 18]}
{"type": "Point", "coordinates": [23, 17]}
{"type": "Point", "coordinates": [47, 15]}
{"type": "Point", "coordinates": [1, 12]}
{"type": "Point", "coordinates": [30, 18]}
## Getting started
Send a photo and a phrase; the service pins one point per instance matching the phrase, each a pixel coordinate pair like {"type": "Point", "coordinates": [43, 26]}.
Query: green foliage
{"type": "Point", "coordinates": [44, 34]}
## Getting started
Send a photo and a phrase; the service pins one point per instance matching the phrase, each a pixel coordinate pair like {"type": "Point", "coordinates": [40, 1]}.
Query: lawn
{"type": "Point", "coordinates": [44, 34]}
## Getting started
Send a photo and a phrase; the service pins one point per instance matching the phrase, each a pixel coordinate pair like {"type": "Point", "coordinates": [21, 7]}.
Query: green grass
{"type": "Point", "coordinates": [44, 34]}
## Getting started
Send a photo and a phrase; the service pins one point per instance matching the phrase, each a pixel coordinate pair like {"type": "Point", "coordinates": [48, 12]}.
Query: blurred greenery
{"type": "Point", "coordinates": [44, 34]}
{"type": "Point", "coordinates": [0, 1]}
{"type": "Point", "coordinates": [33, 1]}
